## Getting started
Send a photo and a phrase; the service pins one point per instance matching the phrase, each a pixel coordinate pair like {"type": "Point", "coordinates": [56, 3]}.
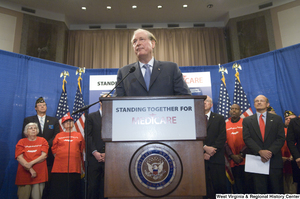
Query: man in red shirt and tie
{"type": "Point", "coordinates": [263, 134]}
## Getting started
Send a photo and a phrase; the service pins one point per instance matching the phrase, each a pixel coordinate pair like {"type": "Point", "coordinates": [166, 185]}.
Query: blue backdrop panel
{"type": "Point", "coordinates": [23, 79]}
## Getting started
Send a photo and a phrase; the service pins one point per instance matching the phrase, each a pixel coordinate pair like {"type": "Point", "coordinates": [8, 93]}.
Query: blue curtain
{"type": "Point", "coordinates": [23, 79]}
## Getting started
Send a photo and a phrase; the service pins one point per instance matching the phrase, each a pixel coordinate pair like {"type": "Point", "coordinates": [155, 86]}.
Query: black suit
{"type": "Point", "coordinates": [215, 166]}
{"type": "Point", "coordinates": [166, 79]}
{"type": "Point", "coordinates": [95, 168]}
{"type": "Point", "coordinates": [293, 141]}
{"type": "Point", "coordinates": [273, 141]}
{"type": "Point", "coordinates": [51, 128]}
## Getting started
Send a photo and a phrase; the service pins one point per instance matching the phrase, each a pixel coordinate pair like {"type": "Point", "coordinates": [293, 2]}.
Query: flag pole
{"type": "Point", "coordinates": [79, 72]}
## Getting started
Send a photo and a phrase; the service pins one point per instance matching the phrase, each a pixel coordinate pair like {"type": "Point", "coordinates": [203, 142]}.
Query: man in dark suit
{"type": "Point", "coordinates": [293, 142]}
{"type": "Point", "coordinates": [48, 128]}
{"type": "Point", "coordinates": [263, 134]}
{"type": "Point", "coordinates": [95, 155]}
{"type": "Point", "coordinates": [151, 77]}
{"type": "Point", "coordinates": [50, 125]}
{"type": "Point", "coordinates": [214, 151]}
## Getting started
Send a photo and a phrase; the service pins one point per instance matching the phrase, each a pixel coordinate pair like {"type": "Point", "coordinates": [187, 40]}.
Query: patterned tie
{"type": "Point", "coordinates": [42, 124]}
{"type": "Point", "coordinates": [262, 126]}
{"type": "Point", "coordinates": [147, 75]}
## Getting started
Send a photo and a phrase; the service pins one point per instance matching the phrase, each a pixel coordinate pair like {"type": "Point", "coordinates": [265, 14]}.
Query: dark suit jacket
{"type": "Point", "coordinates": [51, 128]}
{"type": "Point", "coordinates": [166, 79]}
{"type": "Point", "coordinates": [273, 141]}
{"type": "Point", "coordinates": [293, 142]}
{"type": "Point", "coordinates": [216, 137]}
{"type": "Point", "coordinates": [93, 130]}
{"type": "Point", "coordinates": [293, 137]}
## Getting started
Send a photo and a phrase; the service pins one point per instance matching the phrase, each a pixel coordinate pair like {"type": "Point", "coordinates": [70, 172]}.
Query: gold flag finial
{"type": "Point", "coordinates": [64, 74]}
{"type": "Point", "coordinates": [80, 71]}
{"type": "Point", "coordinates": [237, 67]}
{"type": "Point", "coordinates": [223, 70]}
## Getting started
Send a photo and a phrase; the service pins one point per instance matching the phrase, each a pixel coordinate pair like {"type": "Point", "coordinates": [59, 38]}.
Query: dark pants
{"type": "Point", "coordinates": [96, 180]}
{"type": "Point", "coordinates": [46, 191]}
{"type": "Point", "coordinates": [249, 184]}
{"type": "Point", "coordinates": [239, 179]}
{"type": "Point", "coordinates": [272, 183]}
{"type": "Point", "coordinates": [215, 179]}
{"type": "Point", "coordinates": [65, 186]}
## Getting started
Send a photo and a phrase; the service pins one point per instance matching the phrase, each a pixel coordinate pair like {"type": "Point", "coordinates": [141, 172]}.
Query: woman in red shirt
{"type": "Point", "coordinates": [67, 149]}
{"type": "Point", "coordinates": [31, 153]}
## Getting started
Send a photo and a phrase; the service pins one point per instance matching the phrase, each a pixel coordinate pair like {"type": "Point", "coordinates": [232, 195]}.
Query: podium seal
{"type": "Point", "coordinates": [155, 170]}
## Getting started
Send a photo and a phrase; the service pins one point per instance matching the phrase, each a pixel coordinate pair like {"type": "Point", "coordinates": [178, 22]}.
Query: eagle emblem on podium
{"type": "Point", "coordinates": [155, 170]}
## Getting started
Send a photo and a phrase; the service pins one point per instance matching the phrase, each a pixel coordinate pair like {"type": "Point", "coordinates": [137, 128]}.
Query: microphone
{"type": "Point", "coordinates": [131, 70]}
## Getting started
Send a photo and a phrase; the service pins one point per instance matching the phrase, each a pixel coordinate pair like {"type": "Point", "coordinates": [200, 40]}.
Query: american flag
{"type": "Point", "coordinates": [223, 108]}
{"type": "Point", "coordinates": [240, 98]}
{"type": "Point", "coordinates": [63, 107]}
{"type": "Point", "coordinates": [79, 118]}
{"type": "Point", "coordinates": [224, 104]}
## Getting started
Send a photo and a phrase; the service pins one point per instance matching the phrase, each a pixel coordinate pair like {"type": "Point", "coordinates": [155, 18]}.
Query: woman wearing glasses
{"type": "Point", "coordinates": [31, 153]}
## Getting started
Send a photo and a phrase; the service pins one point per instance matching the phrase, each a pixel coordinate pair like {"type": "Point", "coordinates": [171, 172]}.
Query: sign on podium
{"type": "Point", "coordinates": [154, 146]}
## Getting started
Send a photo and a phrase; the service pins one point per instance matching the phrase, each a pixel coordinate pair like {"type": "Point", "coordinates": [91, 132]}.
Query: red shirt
{"type": "Point", "coordinates": [61, 150]}
{"type": "Point", "coordinates": [31, 150]}
{"type": "Point", "coordinates": [234, 135]}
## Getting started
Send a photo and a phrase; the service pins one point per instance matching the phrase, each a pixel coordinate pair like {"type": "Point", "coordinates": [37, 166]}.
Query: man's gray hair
{"type": "Point", "coordinates": [150, 35]}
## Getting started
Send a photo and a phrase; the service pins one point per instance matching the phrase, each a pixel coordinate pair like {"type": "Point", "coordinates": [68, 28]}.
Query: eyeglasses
{"type": "Point", "coordinates": [40, 105]}
{"type": "Point", "coordinates": [32, 127]}
{"type": "Point", "coordinates": [256, 101]}
{"type": "Point", "coordinates": [141, 39]}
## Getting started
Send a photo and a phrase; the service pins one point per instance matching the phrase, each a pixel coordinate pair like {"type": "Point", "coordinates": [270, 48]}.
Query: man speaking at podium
{"type": "Point", "coordinates": [149, 77]}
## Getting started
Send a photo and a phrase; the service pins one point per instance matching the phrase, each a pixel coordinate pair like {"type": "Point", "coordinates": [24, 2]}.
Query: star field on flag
{"type": "Point", "coordinates": [224, 104]}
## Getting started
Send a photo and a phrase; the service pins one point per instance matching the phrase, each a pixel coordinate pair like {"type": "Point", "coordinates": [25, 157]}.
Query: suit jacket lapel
{"type": "Point", "coordinates": [269, 122]}
{"type": "Point", "coordinates": [39, 125]}
{"type": "Point", "coordinates": [46, 125]}
{"type": "Point", "coordinates": [256, 126]}
{"type": "Point", "coordinates": [156, 70]}
{"type": "Point", "coordinates": [212, 116]}
{"type": "Point", "coordinates": [138, 74]}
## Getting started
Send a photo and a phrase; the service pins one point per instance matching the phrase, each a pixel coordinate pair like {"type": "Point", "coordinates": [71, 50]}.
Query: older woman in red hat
{"type": "Point", "coordinates": [67, 149]}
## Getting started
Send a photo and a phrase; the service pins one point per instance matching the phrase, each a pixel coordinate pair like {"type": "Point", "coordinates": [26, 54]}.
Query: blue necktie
{"type": "Point", "coordinates": [147, 75]}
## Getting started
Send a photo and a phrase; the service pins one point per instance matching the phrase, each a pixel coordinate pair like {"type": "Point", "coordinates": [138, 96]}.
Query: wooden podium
{"type": "Point", "coordinates": [154, 162]}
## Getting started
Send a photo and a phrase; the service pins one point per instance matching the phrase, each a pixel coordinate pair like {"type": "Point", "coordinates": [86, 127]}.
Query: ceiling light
{"type": "Point", "coordinates": [83, 8]}
{"type": "Point", "coordinates": [108, 7]}
{"type": "Point", "coordinates": [134, 7]}
{"type": "Point", "coordinates": [185, 6]}
{"type": "Point", "coordinates": [210, 6]}
{"type": "Point", "coordinates": [159, 7]}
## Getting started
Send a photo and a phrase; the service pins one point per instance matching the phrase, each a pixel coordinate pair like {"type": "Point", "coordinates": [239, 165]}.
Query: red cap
{"type": "Point", "coordinates": [65, 118]}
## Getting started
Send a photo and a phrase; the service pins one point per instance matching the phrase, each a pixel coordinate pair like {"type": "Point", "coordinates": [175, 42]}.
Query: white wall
{"type": "Point", "coordinates": [7, 32]}
{"type": "Point", "coordinates": [289, 26]}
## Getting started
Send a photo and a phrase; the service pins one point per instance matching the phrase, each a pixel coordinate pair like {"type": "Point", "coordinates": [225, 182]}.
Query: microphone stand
{"type": "Point", "coordinates": [132, 69]}
{"type": "Point", "coordinates": [86, 156]}
{"type": "Point", "coordinates": [85, 108]}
